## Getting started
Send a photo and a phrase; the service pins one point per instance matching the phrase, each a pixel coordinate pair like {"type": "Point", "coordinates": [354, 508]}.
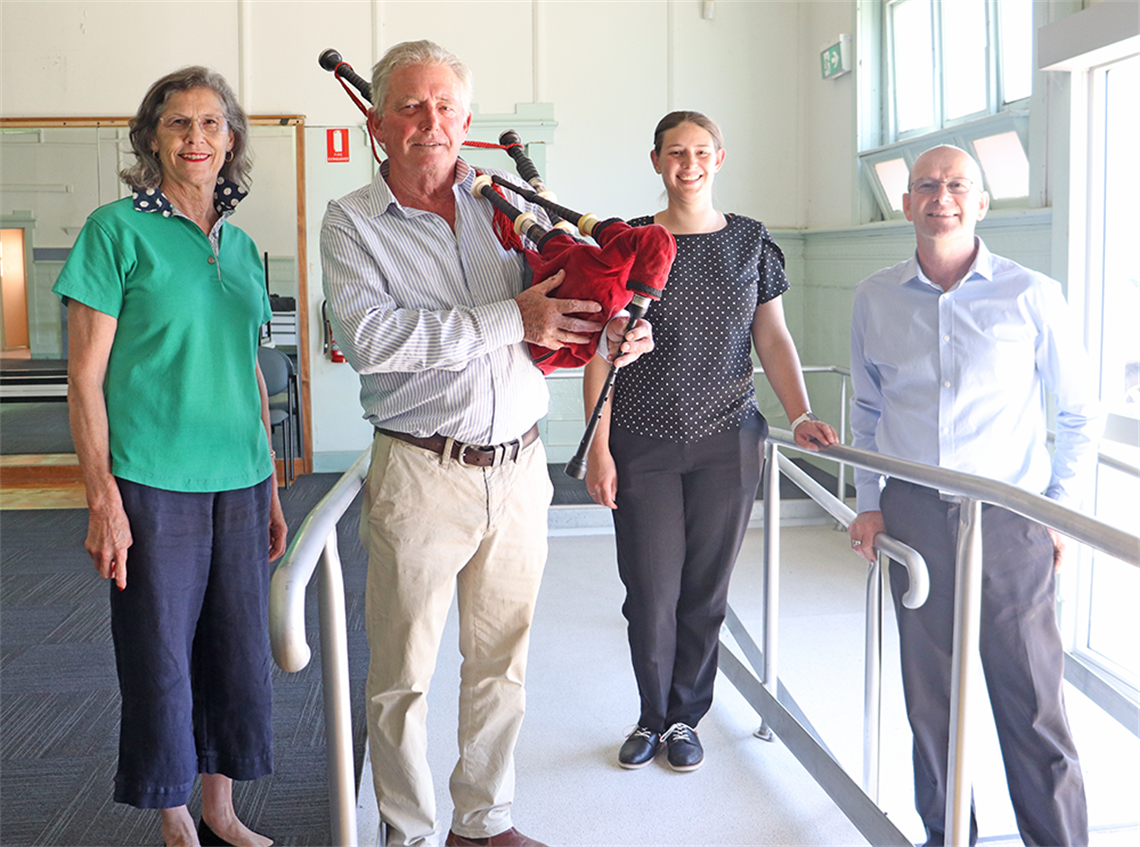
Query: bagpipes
{"type": "Point", "coordinates": [626, 269]}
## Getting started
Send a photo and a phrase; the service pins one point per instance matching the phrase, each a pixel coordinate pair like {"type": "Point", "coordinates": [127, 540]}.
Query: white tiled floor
{"type": "Point", "coordinates": [582, 699]}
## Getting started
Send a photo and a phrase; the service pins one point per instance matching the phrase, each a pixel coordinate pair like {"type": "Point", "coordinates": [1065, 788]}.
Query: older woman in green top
{"type": "Point", "coordinates": [170, 420]}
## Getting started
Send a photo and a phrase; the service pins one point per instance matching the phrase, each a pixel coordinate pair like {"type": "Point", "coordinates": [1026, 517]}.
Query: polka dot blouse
{"type": "Point", "coordinates": [697, 381]}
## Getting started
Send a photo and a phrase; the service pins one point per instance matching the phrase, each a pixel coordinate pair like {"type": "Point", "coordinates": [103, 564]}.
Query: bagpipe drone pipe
{"type": "Point", "coordinates": [625, 270]}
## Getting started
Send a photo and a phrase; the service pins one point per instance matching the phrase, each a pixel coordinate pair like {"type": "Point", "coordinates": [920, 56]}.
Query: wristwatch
{"type": "Point", "coordinates": [806, 416]}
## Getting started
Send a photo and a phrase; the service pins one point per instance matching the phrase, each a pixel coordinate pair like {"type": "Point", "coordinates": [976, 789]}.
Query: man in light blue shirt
{"type": "Point", "coordinates": [952, 353]}
{"type": "Point", "coordinates": [433, 312]}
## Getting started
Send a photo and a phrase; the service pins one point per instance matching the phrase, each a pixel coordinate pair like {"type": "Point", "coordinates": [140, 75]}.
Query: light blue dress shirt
{"type": "Point", "coordinates": [426, 315]}
{"type": "Point", "coordinates": [958, 379]}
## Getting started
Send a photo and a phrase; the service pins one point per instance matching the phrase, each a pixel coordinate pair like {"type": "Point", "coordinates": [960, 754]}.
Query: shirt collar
{"type": "Point", "coordinates": [983, 266]}
{"type": "Point", "coordinates": [227, 195]}
{"type": "Point", "coordinates": [386, 201]}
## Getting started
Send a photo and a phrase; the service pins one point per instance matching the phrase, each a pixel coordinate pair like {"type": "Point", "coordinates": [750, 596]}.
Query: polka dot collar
{"type": "Point", "coordinates": [226, 197]}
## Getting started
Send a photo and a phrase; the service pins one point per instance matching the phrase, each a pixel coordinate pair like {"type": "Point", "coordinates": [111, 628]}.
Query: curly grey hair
{"type": "Point", "coordinates": [146, 172]}
{"type": "Point", "coordinates": [417, 53]}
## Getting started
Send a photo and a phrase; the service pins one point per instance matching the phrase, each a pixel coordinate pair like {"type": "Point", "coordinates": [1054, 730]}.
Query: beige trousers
{"type": "Point", "coordinates": [433, 526]}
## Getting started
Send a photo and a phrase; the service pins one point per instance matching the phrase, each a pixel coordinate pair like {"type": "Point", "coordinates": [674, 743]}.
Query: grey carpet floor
{"type": "Point", "coordinates": [39, 427]}
{"type": "Point", "coordinates": [59, 699]}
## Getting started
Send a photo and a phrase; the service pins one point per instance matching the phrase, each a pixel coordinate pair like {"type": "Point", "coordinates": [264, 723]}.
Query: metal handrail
{"type": "Point", "coordinates": [841, 427]}
{"type": "Point", "coordinates": [972, 492]}
{"type": "Point", "coordinates": [908, 557]}
{"type": "Point", "coordinates": [1108, 539]}
{"type": "Point", "coordinates": [918, 590]}
{"type": "Point", "coordinates": [313, 543]}
{"type": "Point", "coordinates": [1104, 459]}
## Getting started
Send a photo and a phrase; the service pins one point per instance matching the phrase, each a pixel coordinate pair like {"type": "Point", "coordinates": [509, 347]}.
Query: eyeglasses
{"type": "Point", "coordinates": [955, 185]}
{"type": "Point", "coordinates": [209, 124]}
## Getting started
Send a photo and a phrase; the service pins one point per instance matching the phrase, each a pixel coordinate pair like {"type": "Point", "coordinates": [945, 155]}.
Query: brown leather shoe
{"type": "Point", "coordinates": [511, 838]}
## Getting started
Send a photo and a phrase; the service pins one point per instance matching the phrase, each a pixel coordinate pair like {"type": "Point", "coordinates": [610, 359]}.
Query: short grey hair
{"type": "Point", "coordinates": [409, 53]}
{"type": "Point", "coordinates": [146, 172]}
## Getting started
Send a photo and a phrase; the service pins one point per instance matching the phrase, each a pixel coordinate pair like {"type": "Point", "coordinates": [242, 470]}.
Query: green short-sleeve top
{"type": "Point", "coordinates": [183, 405]}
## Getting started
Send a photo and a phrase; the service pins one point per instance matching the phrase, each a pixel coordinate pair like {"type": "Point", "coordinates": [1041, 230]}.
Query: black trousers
{"type": "Point", "coordinates": [1022, 657]}
{"type": "Point", "coordinates": [682, 510]}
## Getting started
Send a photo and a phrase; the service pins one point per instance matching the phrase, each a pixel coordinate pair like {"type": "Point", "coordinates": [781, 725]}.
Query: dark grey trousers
{"type": "Point", "coordinates": [1021, 655]}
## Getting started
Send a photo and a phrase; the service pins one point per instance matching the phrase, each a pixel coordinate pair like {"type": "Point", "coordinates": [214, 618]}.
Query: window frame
{"type": "Point", "coordinates": [1083, 44]}
{"type": "Point", "coordinates": [962, 136]}
{"type": "Point", "coordinates": [995, 84]}
{"type": "Point", "coordinates": [1120, 430]}
{"type": "Point", "coordinates": [997, 117]}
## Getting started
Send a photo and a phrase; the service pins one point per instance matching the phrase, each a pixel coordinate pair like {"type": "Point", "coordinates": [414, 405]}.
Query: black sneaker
{"type": "Point", "coordinates": [685, 751]}
{"type": "Point", "coordinates": [639, 748]}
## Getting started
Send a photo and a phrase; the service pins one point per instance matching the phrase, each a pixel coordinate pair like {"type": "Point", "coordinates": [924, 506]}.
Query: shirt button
{"type": "Point", "coordinates": [946, 338]}
{"type": "Point", "coordinates": [211, 260]}
{"type": "Point", "coordinates": [945, 385]}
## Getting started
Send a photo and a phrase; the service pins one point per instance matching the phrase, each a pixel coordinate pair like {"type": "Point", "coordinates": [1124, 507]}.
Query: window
{"type": "Point", "coordinates": [997, 142]}
{"type": "Point", "coordinates": [951, 61]}
{"type": "Point", "coordinates": [1095, 221]}
{"type": "Point", "coordinates": [957, 72]}
{"type": "Point", "coordinates": [1108, 630]}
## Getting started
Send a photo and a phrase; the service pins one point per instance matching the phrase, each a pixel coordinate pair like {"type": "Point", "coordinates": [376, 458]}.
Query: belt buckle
{"type": "Point", "coordinates": [462, 456]}
{"type": "Point", "coordinates": [499, 452]}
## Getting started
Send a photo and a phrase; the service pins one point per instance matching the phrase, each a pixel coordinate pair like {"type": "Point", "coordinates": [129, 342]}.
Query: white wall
{"type": "Point", "coordinates": [827, 121]}
{"type": "Point", "coordinates": [611, 69]}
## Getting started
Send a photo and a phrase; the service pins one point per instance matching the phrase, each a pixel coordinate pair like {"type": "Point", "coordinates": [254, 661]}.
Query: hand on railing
{"type": "Point", "coordinates": [1069, 522]}
{"type": "Point", "coordinates": [864, 531]}
{"type": "Point", "coordinates": [908, 557]}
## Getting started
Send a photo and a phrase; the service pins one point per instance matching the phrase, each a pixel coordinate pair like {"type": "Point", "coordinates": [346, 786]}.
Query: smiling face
{"type": "Point", "coordinates": [424, 120]}
{"type": "Point", "coordinates": [943, 215]}
{"type": "Point", "coordinates": [190, 156]}
{"type": "Point", "coordinates": [688, 161]}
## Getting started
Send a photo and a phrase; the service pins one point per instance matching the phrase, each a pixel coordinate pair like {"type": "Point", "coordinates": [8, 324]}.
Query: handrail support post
{"type": "Point", "coordinates": [771, 565]}
{"type": "Point", "coordinates": [338, 714]}
{"type": "Point", "coordinates": [967, 616]}
{"type": "Point", "coordinates": [841, 470]}
{"type": "Point", "coordinates": [872, 679]}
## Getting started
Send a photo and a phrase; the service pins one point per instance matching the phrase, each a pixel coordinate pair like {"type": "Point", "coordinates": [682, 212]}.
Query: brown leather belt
{"type": "Point", "coordinates": [474, 455]}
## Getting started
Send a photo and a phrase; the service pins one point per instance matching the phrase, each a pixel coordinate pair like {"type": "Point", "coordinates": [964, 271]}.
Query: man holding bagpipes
{"type": "Point", "coordinates": [435, 315]}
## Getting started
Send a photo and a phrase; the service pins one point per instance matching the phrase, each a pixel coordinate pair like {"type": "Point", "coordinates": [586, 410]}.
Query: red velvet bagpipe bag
{"type": "Point", "coordinates": [626, 261]}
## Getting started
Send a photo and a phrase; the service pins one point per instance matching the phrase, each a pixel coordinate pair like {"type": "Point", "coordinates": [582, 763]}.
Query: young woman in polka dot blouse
{"type": "Point", "coordinates": [678, 451]}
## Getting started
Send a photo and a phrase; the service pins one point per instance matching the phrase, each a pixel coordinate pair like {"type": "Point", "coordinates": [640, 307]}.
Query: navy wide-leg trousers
{"type": "Point", "coordinates": [191, 633]}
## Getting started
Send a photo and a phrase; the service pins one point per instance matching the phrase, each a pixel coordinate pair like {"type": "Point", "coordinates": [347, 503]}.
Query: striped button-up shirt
{"type": "Point", "coordinates": [426, 315]}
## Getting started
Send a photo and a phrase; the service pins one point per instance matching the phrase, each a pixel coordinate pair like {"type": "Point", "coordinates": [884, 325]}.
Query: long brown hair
{"type": "Point", "coordinates": [675, 119]}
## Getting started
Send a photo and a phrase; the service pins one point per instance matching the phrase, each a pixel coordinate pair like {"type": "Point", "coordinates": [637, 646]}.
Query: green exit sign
{"type": "Point", "coordinates": [834, 60]}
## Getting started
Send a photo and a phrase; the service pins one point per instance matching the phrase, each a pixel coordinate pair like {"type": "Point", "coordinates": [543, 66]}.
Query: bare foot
{"type": "Point", "coordinates": [178, 828]}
